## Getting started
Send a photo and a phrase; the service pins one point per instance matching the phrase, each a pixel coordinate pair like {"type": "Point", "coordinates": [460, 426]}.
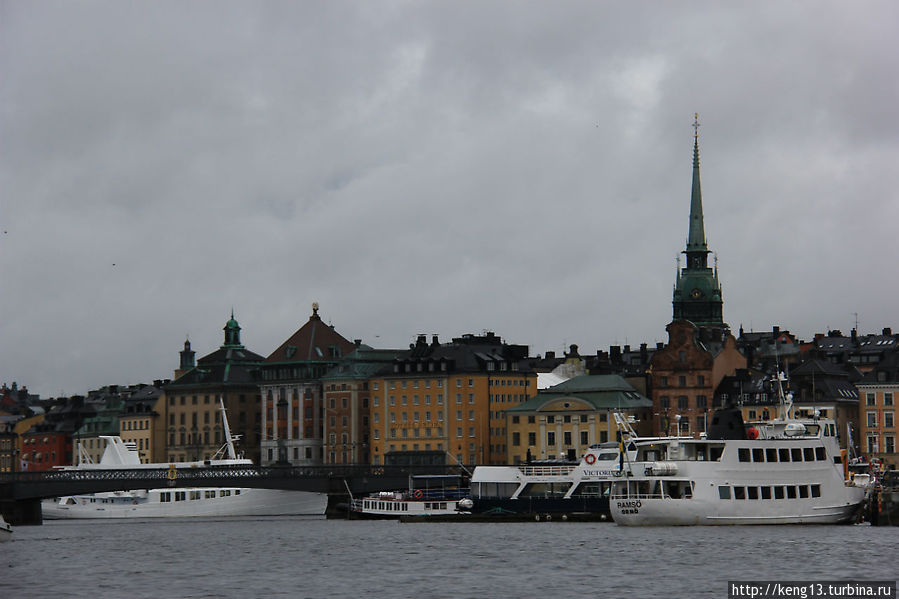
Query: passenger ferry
{"type": "Point", "coordinates": [780, 471]}
{"type": "Point", "coordinates": [177, 502]}
{"type": "Point", "coordinates": [428, 495]}
{"type": "Point", "coordinates": [551, 487]}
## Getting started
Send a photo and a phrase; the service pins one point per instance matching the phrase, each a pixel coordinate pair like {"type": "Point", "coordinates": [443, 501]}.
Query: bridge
{"type": "Point", "coordinates": [21, 492]}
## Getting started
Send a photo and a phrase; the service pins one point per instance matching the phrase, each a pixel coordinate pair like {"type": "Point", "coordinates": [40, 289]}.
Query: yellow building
{"type": "Point", "coordinates": [563, 421]}
{"type": "Point", "coordinates": [437, 399]}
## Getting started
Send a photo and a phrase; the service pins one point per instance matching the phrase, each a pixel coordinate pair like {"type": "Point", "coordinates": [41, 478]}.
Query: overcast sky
{"type": "Point", "coordinates": [432, 167]}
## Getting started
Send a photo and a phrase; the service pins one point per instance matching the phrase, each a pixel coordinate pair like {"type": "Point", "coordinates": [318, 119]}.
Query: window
{"type": "Point", "coordinates": [739, 492]}
{"type": "Point", "coordinates": [584, 438]}
{"type": "Point", "coordinates": [664, 402]}
{"type": "Point", "coordinates": [700, 381]}
{"type": "Point", "coordinates": [779, 493]}
{"type": "Point", "coordinates": [758, 455]}
{"type": "Point", "coordinates": [766, 492]}
{"type": "Point", "coordinates": [516, 439]}
{"type": "Point", "coordinates": [551, 439]}
{"type": "Point", "coordinates": [888, 421]}
{"type": "Point", "coordinates": [567, 438]}
{"type": "Point", "coordinates": [872, 443]}
{"type": "Point", "coordinates": [872, 419]}
{"type": "Point", "coordinates": [796, 454]}
{"type": "Point", "coordinates": [784, 454]}
{"type": "Point", "coordinates": [743, 454]}
{"type": "Point", "coordinates": [682, 402]}
{"type": "Point", "coordinates": [870, 399]}
{"type": "Point", "coordinates": [532, 419]}
{"type": "Point", "coordinates": [771, 454]}
{"type": "Point", "coordinates": [682, 380]}
{"type": "Point", "coordinates": [532, 439]}
{"type": "Point", "coordinates": [888, 398]}
{"type": "Point", "coordinates": [889, 444]}
{"type": "Point", "coordinates": [724, 492]}
{"type": "Point", "coordinates": [808, 454]}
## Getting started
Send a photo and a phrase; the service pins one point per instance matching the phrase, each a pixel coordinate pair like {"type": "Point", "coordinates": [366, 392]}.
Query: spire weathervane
{"type": "Point", "coordinates": [696, 125]}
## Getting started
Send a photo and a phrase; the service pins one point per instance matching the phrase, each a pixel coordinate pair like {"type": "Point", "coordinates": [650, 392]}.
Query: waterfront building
{"type": "Point", "coordinates": [829, 389]}
{"type": "Point", "coordinates": [193, 426]}
{"type": "Point", "coordinates": [701, 351]}
{"type": "Point", "coordinates": [770, 351]}
{"type": "Point", "coordinates": [562, 422]}
{"type": "Point", "coordinates": [48, 442]}
{"type": "Point", "coordinates": [863, 352]}
{"type": "Point", "coordinates": [449, 398]}
{"type": "Point", "coordinates": [878, 392]}
{"type": "Point", "coordinates": [290, 384]}
{"type": "Point", "coordinates": [347, 400]}
{"type": "Point", "coordinates": [141, 422]}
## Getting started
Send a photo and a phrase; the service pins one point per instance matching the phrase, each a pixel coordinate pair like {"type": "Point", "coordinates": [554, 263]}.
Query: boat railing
{"type": "Point", "coordinates": [547, 470]}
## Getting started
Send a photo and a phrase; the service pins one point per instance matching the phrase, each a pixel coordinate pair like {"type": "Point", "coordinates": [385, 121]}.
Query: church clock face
{"type": "Point", "coordinates": [696, 294]}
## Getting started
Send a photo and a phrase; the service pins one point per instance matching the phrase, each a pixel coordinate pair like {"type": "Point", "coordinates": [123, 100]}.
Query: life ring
{"type": "Point", "coordinates": [590, 458]}
{"type": "Point", "coordinates": [752, 433]}
{"type": "Point", "coordinates": [417, 494]}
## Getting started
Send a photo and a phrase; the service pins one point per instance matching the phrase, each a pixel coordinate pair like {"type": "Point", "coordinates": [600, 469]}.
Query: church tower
{"type": "Point", "coordinates": [697, 292]}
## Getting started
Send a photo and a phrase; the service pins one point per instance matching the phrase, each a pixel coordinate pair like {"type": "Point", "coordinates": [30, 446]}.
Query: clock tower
{"type": "Point", "coordinates": [697, 292]}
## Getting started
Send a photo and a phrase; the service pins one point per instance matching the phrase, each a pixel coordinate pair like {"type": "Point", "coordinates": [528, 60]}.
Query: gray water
{"type": "Point", "coordinates": [312, 557]}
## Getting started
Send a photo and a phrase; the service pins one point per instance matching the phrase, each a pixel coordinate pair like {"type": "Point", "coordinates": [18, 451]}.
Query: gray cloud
{"type": "Point", "coordinates": [430, 167]}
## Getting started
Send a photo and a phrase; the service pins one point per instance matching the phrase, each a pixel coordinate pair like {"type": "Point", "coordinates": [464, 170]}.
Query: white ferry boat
{"type": "Point", "coordinates": [428, 495]}
{"type": "Point", "coordinates": [780, 471]}
{"type": "Point", "coordinates": [5, 530]}
{"type": "Point", "coordinates": [550, 487]}
{"type": "Point", "coordinates": [178, 502]}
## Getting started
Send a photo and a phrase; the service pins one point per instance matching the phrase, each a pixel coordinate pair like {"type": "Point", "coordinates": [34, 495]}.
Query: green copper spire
{"type": "Point", "coordinates": [232, 332]}
{"type": "Point", "coordinates": [697, 293]}
{"type": "Point", "coordinates": [696, 239]}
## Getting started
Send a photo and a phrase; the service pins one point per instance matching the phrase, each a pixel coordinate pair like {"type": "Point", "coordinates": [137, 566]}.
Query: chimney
{"type": "Point", "coordinates": [887, 331]}
{"type": "Point", "coordinates": [776, 331]}
{"type": "Point", "coordinates": [434, 340]}
{"type": "Point", "coordinates": [550, 355]}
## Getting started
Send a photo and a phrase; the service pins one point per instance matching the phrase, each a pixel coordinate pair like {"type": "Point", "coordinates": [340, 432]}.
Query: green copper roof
{"type": "Point", "coordinates": [696, 238]}
{"type": "Point", "coordinates": [603, 392]}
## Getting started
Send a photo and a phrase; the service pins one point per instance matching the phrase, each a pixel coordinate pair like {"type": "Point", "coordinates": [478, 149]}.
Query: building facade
{"type": "Point", "coordinates": [450, 399]}
{"type": "Point", "coordinates": [562, 422]}
{"type": "Point", "coordinates": [193, 424]}
{"type": "Point", "coordinates": [290, 384]}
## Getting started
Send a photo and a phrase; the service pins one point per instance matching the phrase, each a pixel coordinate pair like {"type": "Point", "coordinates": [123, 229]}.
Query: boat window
{"type": "Point", "coordinates": [71, 501]}
{"type": "Point", "coordinates": [758, 454]}
{"type": "Point", "coordinates": [771, 454]}
{"type": "Point", "coordinates": [784, 454]}
{"type": "Point", "coordinates": [592, 489]}
{"type": "Point", "coordinates": [545, 489]}
{"type": "Point", "coordinates": [803, 491]}
{"type": "Point", "coordinates": [816, 490]}
{"type": "Point", "coordinates": [743, 454]}
{"type": "Point", "coordinates": [715, 453]}
{"type": "Point", "coordinates": [180, 495]}
{"type": "Point", "coordinates": [820, 454]}
{"type": "Point", "coordinates": [809, 453]}
{"type": "Point", "coordinates": [442, 506]}
{"type": "Point", "coordinates": [739, 492]}
{"type": "Point", "coordinates": [752, 492]}
{"type": "Point", "coordinates": [778, 492]}
{"type": "Point", "coordinates": [503, 490]}
{"type": "Point", "coordinates": [791, 492]}
{"type": "Point", "coordinates": [165, 497]}
{"type": "Point", "coordinates": [766, 492]}
{"type": "Point", "coordinates": [194, 495]}
{"type": "Point", "coordinates": [724, 492]}
{"type": "Point", "coordinates": [607, 456]}
{"type": "Point", "coordinates": [796, 454]}
{"type": "Point", "coordinates": [237, 491]}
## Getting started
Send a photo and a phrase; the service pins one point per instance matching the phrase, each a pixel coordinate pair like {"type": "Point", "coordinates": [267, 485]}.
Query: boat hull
{"type": "Point", "coordinates": [248, 502]}
{"type": "Point", "coordinates": [668, 511]}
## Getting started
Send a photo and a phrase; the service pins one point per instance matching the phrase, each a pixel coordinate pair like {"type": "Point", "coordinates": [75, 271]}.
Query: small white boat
{"type": "Point", "coordinates": [428, 495]}
{"type": "Point", "coordinates": [780, 471]}
{"type": "Point", "coordinates": [5, 530]}
{"type": "Point", "coordinates": [178, 502]}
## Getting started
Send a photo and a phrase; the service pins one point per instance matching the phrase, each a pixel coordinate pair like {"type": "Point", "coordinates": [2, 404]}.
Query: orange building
{"type": "Point", "coordinates": [445, 403]}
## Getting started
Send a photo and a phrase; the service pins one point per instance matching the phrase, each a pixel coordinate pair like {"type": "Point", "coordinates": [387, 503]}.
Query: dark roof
{"type": "Point", "coordinates": [603, 392]}
{"type": "Point", "coordinates": [315, 341]}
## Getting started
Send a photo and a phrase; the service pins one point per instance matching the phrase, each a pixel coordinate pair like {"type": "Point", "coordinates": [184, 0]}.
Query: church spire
{"type": "Point", "coordinates": [697, 249]}
{"type": "Point", "coordinates": [697, 293]}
